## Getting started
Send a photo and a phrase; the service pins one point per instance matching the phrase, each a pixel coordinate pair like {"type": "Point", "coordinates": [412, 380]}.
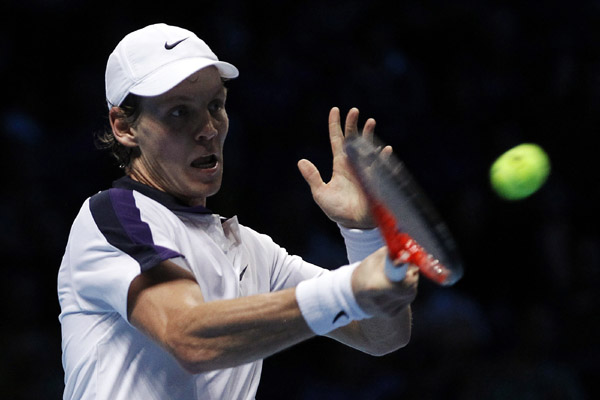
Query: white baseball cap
{"type": "Point", "coordinates": [154, 59]}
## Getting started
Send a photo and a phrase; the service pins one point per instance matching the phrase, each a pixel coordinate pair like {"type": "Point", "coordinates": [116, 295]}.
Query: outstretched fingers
{"type": "Point", "coordinates": [311, 174]}
{"type": "Point", "coordinates": [336, 135]}
{"type": "Point", "coordinates": [369, 129]}
{"type": "Point", "coordinates": [351, 126]}
{"type": "Point", "coordinates": [386, 152]}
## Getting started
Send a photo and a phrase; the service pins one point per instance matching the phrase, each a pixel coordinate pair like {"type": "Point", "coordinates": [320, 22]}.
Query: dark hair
{"type": "Point", "coordinates": [129, 110]}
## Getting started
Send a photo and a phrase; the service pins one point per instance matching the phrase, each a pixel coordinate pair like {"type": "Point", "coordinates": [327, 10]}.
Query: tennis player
{"type": "Point", "coordinates": [163, 299]}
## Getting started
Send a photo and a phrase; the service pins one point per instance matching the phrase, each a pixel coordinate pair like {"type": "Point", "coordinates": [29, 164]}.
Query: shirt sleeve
{"type": "Point", "coordinates": [274, 265]}
{"type": "Point", "coordinates": [289, 270]}
{"type": "Point", "coordinates": [111, 242]}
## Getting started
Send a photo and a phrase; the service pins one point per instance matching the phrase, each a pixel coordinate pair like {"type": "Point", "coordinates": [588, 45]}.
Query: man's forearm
{"type": "Point", "coordinates": [378, 335]}
{"type": "Point", "coordinates": [228, 333]}
{"type": "Point", "coordinates": [166, 303]}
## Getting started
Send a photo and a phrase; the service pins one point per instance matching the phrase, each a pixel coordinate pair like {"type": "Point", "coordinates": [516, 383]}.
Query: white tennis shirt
{"type": "Point", "coordinates": [126, 230]}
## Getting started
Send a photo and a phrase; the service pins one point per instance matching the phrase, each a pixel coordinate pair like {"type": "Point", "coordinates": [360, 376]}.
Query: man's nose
{"type": "Point", "coordinates": [207, 130]}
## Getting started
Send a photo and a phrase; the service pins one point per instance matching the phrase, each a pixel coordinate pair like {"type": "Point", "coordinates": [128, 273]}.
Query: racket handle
{"type": "Point", "coordinates": [395, 273]}
{"type": "Point", "coordinates": [406, 250]}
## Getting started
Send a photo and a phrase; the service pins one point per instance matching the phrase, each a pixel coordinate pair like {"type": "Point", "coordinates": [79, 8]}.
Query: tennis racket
{"type": "Point", "coordinates": [412, 229]}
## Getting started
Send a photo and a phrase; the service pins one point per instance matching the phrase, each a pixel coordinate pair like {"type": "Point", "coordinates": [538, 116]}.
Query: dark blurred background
{"type": "Point", "coordinates": [452, 85]}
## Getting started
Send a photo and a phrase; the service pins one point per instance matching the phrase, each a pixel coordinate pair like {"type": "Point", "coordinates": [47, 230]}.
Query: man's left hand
{"type": "Point", "coordinates": [342, 198]}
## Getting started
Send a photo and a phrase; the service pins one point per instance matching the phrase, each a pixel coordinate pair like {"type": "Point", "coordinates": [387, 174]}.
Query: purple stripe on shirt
{"type": "Point", "coordinates": [119, 220]}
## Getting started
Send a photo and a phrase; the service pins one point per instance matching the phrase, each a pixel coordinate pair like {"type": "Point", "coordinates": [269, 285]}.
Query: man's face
{"type": "Point", "coordinates": [180, 135]}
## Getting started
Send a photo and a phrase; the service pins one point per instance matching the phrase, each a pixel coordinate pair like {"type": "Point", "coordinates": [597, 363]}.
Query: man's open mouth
{"type": "Point", "coordinates": [206, 162]}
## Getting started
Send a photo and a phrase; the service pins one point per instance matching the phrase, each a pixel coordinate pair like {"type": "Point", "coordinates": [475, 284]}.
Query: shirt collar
{"type": "Point", "coordinates": [167, 200]}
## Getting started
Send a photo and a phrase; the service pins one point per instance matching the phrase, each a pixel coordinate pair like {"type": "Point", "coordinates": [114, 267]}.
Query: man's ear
{"type": "Point", "coordinates": [122, 130]}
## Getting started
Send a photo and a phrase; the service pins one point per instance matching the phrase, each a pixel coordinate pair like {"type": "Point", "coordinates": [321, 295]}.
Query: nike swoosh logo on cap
{"type": "Point", "coordinates": [170, 46]}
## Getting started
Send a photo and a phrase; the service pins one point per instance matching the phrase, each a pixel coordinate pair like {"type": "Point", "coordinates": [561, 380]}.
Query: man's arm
{"type": "Point", "coordinates": [166, 303]}
{"type": "Point", "coordinates": [344, 202]}
{"type": "Point", "coordinates": [390, 328]}
{"type": "Point", "coordinates": [377, 336]}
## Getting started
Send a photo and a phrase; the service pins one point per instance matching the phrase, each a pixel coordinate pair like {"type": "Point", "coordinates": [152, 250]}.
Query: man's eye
{"type": "Point", "coordinates": [179, 112]}
{"type": "Point", "coordinates": [216, 106]}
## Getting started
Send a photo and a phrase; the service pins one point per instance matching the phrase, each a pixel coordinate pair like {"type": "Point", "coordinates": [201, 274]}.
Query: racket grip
{"type": "Point", "coordinates": [395, 273]}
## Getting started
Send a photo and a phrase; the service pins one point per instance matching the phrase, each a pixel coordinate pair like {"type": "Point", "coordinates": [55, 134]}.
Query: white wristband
{"type": "Point", "coordinates": [327, 301]}
{"type": "Point", "coordinates": [361, 242]}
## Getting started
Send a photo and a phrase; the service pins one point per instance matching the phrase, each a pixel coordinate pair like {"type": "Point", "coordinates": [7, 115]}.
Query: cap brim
{"type": "Point", "coordinates": [170, 75]}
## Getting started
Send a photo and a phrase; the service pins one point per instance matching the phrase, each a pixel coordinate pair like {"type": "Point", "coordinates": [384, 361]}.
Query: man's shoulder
{"type": "Point", "coordinates": [123, 207]}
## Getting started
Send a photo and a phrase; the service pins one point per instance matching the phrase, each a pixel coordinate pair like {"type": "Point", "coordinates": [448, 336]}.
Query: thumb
{"type": "Point", "coordinates": [311, 174]}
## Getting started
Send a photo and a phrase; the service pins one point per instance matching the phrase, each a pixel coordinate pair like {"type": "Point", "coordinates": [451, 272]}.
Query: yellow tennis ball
{"type": "Point", "coordinates": [520, 172]}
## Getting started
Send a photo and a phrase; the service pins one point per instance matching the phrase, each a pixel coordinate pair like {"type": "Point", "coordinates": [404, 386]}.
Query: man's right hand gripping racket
{"type": "Point", "coordinates": [411, 227]}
